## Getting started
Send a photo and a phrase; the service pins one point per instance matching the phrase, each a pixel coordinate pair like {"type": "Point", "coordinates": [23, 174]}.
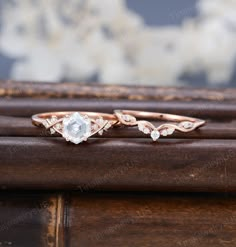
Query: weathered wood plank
{"type": "Point", "coordinates": [152, 220]}
{"type": "Point", "coordinates": [93, 90]}
{"type": "Point", "coordinates": [28, 220]}
{"type": "Point", "coordinates": [25, 107]}
{"type": "Point", "coordinates": [124, 219]}
{"type": "Point", "coordinates": [118, 164]}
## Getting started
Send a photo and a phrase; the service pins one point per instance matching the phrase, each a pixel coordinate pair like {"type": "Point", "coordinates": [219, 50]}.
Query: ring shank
{"type": "Point", "coordinates": [39, 118]}
{"type": "Point", "coordinates": [157, 115]}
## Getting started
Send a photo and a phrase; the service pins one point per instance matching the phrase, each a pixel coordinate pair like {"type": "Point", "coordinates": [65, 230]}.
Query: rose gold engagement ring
{"type": "Point", "coordinates": [75, 126]}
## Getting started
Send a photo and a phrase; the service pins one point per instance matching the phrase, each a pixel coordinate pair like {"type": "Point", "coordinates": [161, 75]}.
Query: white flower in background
{"type": "Point", "coordinates": [79, 39]}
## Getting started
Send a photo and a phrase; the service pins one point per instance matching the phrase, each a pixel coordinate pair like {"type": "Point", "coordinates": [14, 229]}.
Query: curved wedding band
{"type": "Point", "coordinates": [75, 126]}
{"type": "Point", "coordinates": [180, 123]}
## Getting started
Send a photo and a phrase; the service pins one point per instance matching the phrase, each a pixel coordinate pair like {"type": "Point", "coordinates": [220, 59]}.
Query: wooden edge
{"type": "Point", "coordinates": [55, 227]}
{"type": "Point", "coordinates": [60, 230]}
{"type": "Point", "coordinates": [99, 91]}
{"type": "Point", "coordinates": [26, 107]}
{"type": "Point", "coordinates": [118, 165]}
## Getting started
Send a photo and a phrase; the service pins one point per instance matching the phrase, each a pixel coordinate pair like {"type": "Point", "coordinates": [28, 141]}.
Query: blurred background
{"type": "Point", "coordinates": [154, 42]}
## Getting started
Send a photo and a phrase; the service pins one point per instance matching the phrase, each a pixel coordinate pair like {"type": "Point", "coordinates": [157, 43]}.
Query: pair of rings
{"type": "Point", "coordinates": [77, 127]}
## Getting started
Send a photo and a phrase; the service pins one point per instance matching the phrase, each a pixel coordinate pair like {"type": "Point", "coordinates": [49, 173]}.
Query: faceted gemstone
{"type": "Point", "coordinates": [128, 118]}
{"type": "Point", "coordinates": [125, 118]}
{"type": "Point", "coordinates": [58, 126]}
{"type": "Point", "coordinates": [170, 131]}
{"type": "Point", "coordinates": [141, 127]}
{"type": "Point", "coordinates": [95, 127]}
{"type": "Point", "coordinates": [53, 119]}
{"type": "Point", "coordinates": [146, 130]}
{"type": "Point", "coordinates": [100, 121]}
{"type": "Point", "coordinates": [76, 128]}
{"type": "Point", "coordinates": [100, 132]}
{"type": "Point", "coordinates": [164, 132]}
{"type": "Point", "coordinates": [187, 125]}
{"type": "Point", "coordinates": [155, 135]}
{"type": "Point", "coordinates": [52, 131]}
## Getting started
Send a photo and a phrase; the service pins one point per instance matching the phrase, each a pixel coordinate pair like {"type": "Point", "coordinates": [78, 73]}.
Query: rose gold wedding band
{"type": "Point", "coordinates": [75, 126]}
{"type": "Point", "coordinates": [179, 123]}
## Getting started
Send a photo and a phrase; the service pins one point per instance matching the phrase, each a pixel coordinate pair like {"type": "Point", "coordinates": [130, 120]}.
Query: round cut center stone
{"type": "Point", "coordinates": [76, 128]}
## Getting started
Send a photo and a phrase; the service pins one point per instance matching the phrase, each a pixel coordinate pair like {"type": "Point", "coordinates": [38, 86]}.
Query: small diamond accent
{"type": "Point", "coordinates": [164, 132]}
{"type": "Point", "coordinates": [141, 126]}
{"type": "Point", "coordinates": [170, 131]}
{"type": "Point", "coordinates": [100, 121]}
{"type": "Point", "coordinates": [53, 119]}
{"type": "Point", "coordinates": [108, 126]}
{"type": "Point", "coordinates": [128, 118]}
{"type": "Point", "coordinates": [146, 131]}
{"type": "Point", "coordinates": [52, 131]}
{"type": "Point", "coordinates": [95, 127]}
{"type": "Point", "coordinates": [187, 125]}
{"type": "Point", "coordinates": [155, 135]}
{"type": "Point", "coordinates": [58, 126]}
{"type": "Point", "coordinates": [100, 132]}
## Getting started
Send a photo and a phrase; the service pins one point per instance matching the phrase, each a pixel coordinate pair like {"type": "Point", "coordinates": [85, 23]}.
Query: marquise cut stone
{"type": "Point", "coordinates": [76, 128]}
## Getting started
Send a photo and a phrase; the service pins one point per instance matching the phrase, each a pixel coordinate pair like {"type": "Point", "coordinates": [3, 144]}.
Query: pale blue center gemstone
{"type": "Point", "coordinates": [76, 128]}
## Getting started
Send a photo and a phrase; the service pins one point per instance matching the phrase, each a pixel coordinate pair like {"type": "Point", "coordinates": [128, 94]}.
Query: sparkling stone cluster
{"type": "Point", "coordinates": [155, 133]}
{"type": "Point", "coordinates": [99, 123]}
{"type": "Point", "coordinates": [53, 121]}
{"type": "Point", "coordinates": [167, 131]}
{"type": "Point", "coordinates": [75, 127]}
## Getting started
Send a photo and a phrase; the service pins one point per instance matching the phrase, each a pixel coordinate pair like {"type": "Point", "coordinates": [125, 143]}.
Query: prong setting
{"type": "Point", "coordinates": [76, 128]}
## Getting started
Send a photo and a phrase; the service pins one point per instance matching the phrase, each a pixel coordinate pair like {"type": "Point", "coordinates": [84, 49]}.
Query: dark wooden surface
{"type": "Point", "coordinates": [31, 220]}
{"type": "Point", "coordinates": [151, 221]}
{"type": "Point", "coordinates": [124, 159]}
{"type": "Point", "coordinates": [59, 212]}
{"type": "Point", "coordinates": [105, 219]}
{"type": "Point", "coordinates": [25, 107]}
{"type": "Point", "coordinates": [118, 164]}
{"type": "Point", "coordinates": [83, 90]}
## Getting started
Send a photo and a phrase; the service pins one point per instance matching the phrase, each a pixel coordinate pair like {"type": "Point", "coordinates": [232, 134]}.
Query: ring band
{"type": "Point", "coordinates": [180, 123]}
{"type": "Point", "coordinates": [75, 126]}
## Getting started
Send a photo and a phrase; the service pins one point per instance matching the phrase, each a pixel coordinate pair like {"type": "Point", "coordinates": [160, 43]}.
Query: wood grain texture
{"type": "Point", "coordinates": [203, 161]}
{"type": "Point", "coordinates": [26, 107]}
{"type": "Point", "coordinates": [119, 165]}
{"type": "Point", "coordinates": [151, 220]}
{"type": "Point", "coordinates": [28, 220]}
{"type": "Point", "coordinates": [122, 219]}
{"type": "Point", "coordinates": [84, 90]}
